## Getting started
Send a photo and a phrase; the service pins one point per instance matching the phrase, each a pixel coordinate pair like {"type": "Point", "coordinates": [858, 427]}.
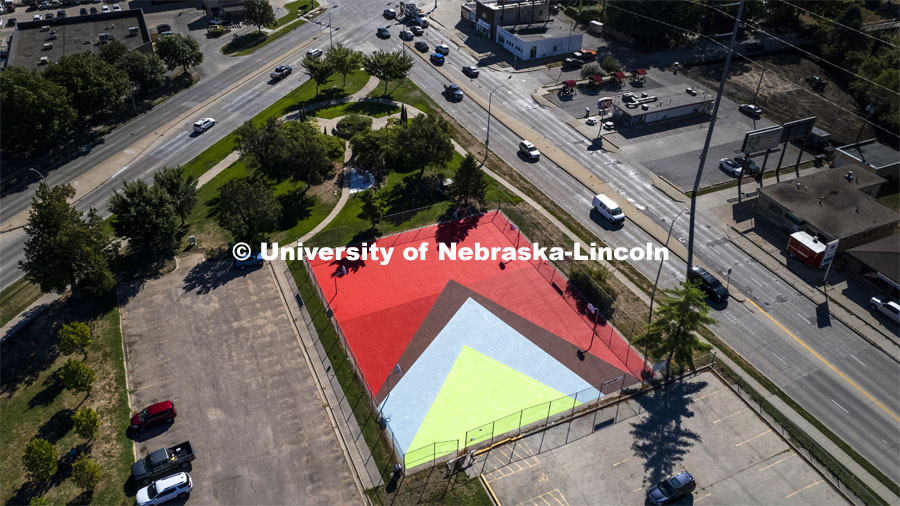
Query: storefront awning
{"type": "Point", "coordinates": [640, 72]}
{"type": "Point", "coordinates": [597, 79]}
{"type": "Point", "coordinates": [620, 75]}
{"type": "Point", "coordinates": [570, 83]}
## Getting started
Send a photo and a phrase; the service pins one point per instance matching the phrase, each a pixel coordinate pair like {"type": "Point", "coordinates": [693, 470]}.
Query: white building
{"type": "Point", "coordinates": [528, 43]}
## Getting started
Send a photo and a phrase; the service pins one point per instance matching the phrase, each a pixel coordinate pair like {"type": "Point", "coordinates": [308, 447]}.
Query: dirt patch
{"type": "Point", "coordinates": [785, 95]}
{"type": "Point", "coordinates": [328, 192]}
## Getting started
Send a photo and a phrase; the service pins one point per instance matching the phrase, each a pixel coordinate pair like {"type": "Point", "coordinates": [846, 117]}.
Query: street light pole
{"type": "Point", "coordinates": [581, 353]}
{"type": "Point", "coordinates": [39, 174]}
{"type": "Point", "coordinates": [659, 271]}
{"type": "Point", "coordinates": [330, 38]}
{"type": "Point", "coordinates": [487, 140]}
{"type": "Point", "coordinates": [712, 124]}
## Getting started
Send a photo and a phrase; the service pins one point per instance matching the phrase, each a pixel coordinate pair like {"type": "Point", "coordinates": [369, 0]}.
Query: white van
{"type": "Point", "coordinates": [608, 209]}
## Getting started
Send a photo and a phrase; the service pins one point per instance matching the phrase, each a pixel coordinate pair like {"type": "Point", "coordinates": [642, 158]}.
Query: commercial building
{"type": "Point", "coordinates": [660, 104]}
{"type": "Point", "coordinates": [35, 44]}
{"type": "Point", "coordinates": [524, 28]}
{"type": "Point", "coordinates": [833, 204]}
{"type": "Point", "coordinates": [883, 159]}
{"type": "Point", "coordinates": [878, 263]}
{"type": "Point", "coordinates": [229, 9]}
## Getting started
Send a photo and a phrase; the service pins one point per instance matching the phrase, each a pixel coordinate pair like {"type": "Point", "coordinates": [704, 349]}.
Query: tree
{"type": "Point", "coordinates": [181, 189]}
{"type": "Point", "coordinates": [343, 60]}
{"type": "Point", "coordinates": [373, 208]}
{"type": "Point", "coordinates": [86, 473]}
{"type": "Point", "coordinates": [673, 334]}
{"type": "Point", "coordinates": [610, 65]}
{"type": "Point", "coordinates": [39, 460]}
{"type": "Point", "coordinates": [424, 141]}
{"type": "Point", "coordinates": [62, 248]}
{"type": "Point", "coordinates": [86, 422]}
{"type": "Point", "coordinates": [145, 70]}
{"type": "Point", "coordinates": [259, 13]}
{"type": "Point", "coordinates": [146, 216]}
{"type": "Point", "coordinates": [75, 336]}
{"type": "Point", "coordinates": [113, 51]}
{"type": "Point", "coordinates": [94, 85]}
{"type": "Point", "coordinates": [403, 114]}
{"type": "Point", "coordinates": [77, 376]}
{"type": "Point", "coordinates": [248, 209]}
{"type": "Point", "coordinates": [370, 150]}
{"type": "Point", "coordinates": [469, 182]}
{"type": "Point", "coordinates": [388, 66]}
{"type": "Point", "coordinates": [179, 51]}
{"type": "Point", "coordinates": [641, 19]}
{"type": "Point", "coordinates": [591, 69]}
{"type": "Point", "coordinates": [307, 156]}
{"type": "Point", "coordinates": [35, 110]}
{"type": "Point", "coordinates": [319, 70]}
{"type": "Point", "coordinates": [262, 144]}
{"type": "Point", "coordinates": [38, 501]}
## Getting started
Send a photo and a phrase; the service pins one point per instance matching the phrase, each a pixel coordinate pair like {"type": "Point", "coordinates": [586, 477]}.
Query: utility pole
{"type": "Point", "coordinates": [487, 140]}
{"type": "Point", "coordinates": [712, 124]}
{"type": "Point", "coordinates": [658, 271]}
{"type": "Point", "coordinates": [759, 85]}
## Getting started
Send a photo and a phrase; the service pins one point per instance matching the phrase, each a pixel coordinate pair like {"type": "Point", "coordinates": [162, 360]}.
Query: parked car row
{"type": "Point", "coordinates": [156, 472]}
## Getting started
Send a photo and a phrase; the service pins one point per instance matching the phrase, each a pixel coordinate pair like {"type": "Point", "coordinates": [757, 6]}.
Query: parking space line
{"type": "Point", "coordinates": [702, 498]}
{"type": "Point", "coordinates": [707, 395]}
{"type": "Point", "coordinates": [138, 389]}
{"type": "Point", "coordinates": [637, 490]}
{"type": "Point", "coordinates": [622, 461]}
{"type": "Point", "coordinates": [779, 462]}
{"type": "Point", "coordinates": [729, 416]}
{"type": "Point", "coordinates": [761, 434]}
{"type": "Point", "coordinates": [802, 489]}
{"type": "Point", "coordinates": [557, 496]}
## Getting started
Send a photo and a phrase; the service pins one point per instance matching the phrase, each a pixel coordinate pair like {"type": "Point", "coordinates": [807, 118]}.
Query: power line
{"type": "Point", "coordinates": [745, 57]}
{"type": "Point", "coordinates": [839, 24]}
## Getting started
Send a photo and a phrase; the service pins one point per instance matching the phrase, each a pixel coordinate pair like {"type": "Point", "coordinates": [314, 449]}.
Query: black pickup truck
{"type": "Point", "coordinates": [162, 462]}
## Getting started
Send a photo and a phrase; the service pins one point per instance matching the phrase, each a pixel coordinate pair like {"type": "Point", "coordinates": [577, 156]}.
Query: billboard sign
{"type": "Point", "coordinates": [761, 140]}
{"type": "Point", "coordinates": [828, 255]}
{"type": "Point", "coordinates": [604, 102]}
{"type": "Point", "coordinates": [797, 129]}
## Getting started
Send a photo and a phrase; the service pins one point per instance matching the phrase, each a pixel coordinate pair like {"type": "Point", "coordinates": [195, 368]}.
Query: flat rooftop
{"type": "Point", "coordinates": [668, 97]}
{"type": "Point", "coordinates": [540, 31]}
{"type": "Point", "coordinates": [843, 210]}
{"type": "Point", "coordinates": [74, 34]}
{"type": "Point", "coordinates": [872, 153]}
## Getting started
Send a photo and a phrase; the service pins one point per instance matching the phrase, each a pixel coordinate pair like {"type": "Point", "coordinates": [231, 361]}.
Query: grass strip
{"type": "Point", "coordinates": [16, 297]}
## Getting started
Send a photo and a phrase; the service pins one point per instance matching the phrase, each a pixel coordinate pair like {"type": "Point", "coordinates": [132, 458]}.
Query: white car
{"type": "Point", "coordinates": [314, 52]}
{"type": "Point", "coordinates": [442, 49]}
{"type": "Point", "coordinates": [204, 125]}
{"type": "Point", "coordinates": [164, 490]}
{"type": "Point", "coordinates": [116, 8]}
{"type": "Point", "coordinates": [529, 150]}
{"type": "Point", "coordinates": [36, 17]}
{"type": "Point", "coordinates": [730, 166]}
{"type": "Point", "coordinates": [887, 307]}
{"type": "Point", "coordinates": [105, 9]}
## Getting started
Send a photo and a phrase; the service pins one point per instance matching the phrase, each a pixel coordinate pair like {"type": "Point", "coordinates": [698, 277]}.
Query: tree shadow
{"type": "Point", "coordinates": [660, 438]}
{"type": "Point", "coordinates": [344, 266]}
{"type": "Point", "coordinates": [454, 231]}
{"type": "Point", "coordinates": [57, 426]}
{"type": "Point", "coordinates": [64, 464]}
{"type": "Point", "coordinates": [296, 205]}
{"type": "Point", "coordinates": [26, 493]}
{"type": "Point", "coordinates": [368, 235]}
{"type": "Point", "coordinates": [207, 276]}
{"type": "Point", "coordinates": [83, 498]}
{"type": "Point", "coordinates": [412, 193]}
{"type": "Point", "coordinates": [52, 388]}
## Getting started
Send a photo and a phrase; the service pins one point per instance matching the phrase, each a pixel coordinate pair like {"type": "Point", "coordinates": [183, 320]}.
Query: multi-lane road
{"type": "Point", "coordinates": [832, 372]}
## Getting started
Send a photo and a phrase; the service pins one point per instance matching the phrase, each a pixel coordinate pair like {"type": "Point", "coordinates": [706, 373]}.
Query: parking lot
{"type": "Point", "coordinates": [671, 148]}
{"type": "Point", "coordinates": [216, 341]}
{"type": "Point", "coordinates": [697, 425]}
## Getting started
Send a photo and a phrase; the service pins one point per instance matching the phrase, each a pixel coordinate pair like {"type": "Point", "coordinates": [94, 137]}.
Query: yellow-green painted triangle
{"type": "Point", "coordinates": [480, 392]}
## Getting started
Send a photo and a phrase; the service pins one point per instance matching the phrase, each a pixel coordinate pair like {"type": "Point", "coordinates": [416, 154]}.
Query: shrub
{"type": "Point", "coordinates": [39, 460]}
{"type": "Point", "coordinates": [86, 473]}
{"type": "Point", "coordinates": [77, 376]}
{"type": "Point", "coordinates": [74, 337]}
{"type": "Point", "coordinates": [86, 422]}
{"type": "Point", "coordinates": [351, 125]}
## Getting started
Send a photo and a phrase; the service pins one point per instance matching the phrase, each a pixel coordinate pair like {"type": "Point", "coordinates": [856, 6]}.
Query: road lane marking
{"type": "Point", "coordinates": [622, 461]}
{"type": "Point", "coordinates": [779, 358]}
{"type": "Point", "coordinates": [761, 434]}
{"type": "Point", "coordinates": [729, 416]}
{"type": "Point", "coordinates": [779, 462]}
{"type": "Point", "coordinates": [802, 489]}
{"type": "Point", "coordinates": [838, 405]}
{"type": "Point", "coordinates": [702, 498]}
{"type": "Point", "coordinates": [826, 362]}
{"type": "Point", "coordinates": [854, 358]}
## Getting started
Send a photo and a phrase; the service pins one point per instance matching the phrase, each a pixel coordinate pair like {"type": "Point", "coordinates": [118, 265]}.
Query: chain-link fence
{"type": "Point", "coordinates": [835, 472]}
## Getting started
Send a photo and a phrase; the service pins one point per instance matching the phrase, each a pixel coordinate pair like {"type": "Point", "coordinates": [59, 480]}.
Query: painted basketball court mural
{"type": "Point", "coordinates": [456, 352]}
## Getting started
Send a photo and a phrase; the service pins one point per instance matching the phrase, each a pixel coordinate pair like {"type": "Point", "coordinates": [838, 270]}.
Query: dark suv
{"type": "Point", "coordinates": [709, 283]}
{"type": "Point", "coordinates": [671, 489]}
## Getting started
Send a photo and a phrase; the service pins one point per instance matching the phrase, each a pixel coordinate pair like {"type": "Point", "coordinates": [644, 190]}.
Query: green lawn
{"type": "Point", "coordinates": [250, 42]}
{"type": "Point", "coordinates": [407, 92]}
{"type": "Point", "coordinates": [372, 109]}
{"type": "Point", "coordinates": [295, 9]}
{"type": "Point", "coordinates": [33, 404]}
{"type": "Point", "coordinates": [16, 298]}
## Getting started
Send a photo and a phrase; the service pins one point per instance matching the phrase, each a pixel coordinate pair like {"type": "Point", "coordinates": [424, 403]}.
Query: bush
{"type": "Point", "coordinates": [351, 125]}
{"type": "Point", "coordinates": [611, 65]}
{"type": "Point", "coordinates": [77, 376]}
{"type": "Point", "coordinates": [592, 282]}
{"type": "Point", "coordinates": [86, 422]}
{"type": "Point", "coordinates": [74, 337]}
{"type": "Point", "coordinates": [591, 69]}
{"type": "Point", "coordinates": [39, 460]}
{"type": "Point", "coordinates": [86, 473]}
